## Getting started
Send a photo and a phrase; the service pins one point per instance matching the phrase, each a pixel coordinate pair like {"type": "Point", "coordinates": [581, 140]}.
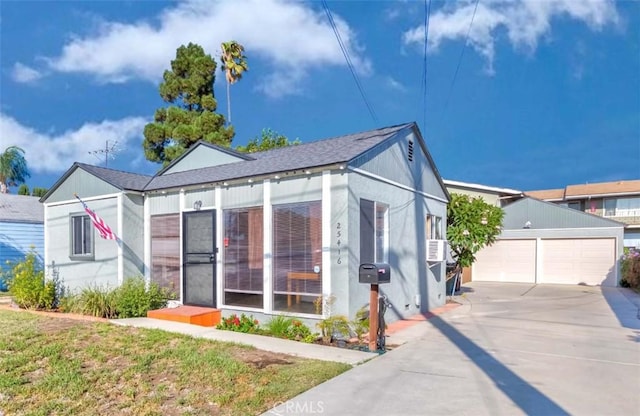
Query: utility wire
{"type": "Point", "coordinates": [347, 58]}
{"type": "Point", "coordinates": [427, 15]}
{"type": "Point", "coordinates": [464, 47]}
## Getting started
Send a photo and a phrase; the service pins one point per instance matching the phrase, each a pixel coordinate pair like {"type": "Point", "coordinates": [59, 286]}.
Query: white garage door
{"type": "Point", "coordinates": [506, 261]}
{"type": "Point", "coordinates": [573, 261]}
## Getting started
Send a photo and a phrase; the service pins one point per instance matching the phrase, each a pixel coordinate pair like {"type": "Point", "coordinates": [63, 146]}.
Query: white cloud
{"type": "Point", "coordinates": [54, 153]}
{"type": "Point", "coordinates": [24, 74]}
{"type": "Point", "coordinates": [291, 37]}
{"type": "Point", "coordinates": [394, 84]}
{"type": "Point", "coordinates": [524, 21]}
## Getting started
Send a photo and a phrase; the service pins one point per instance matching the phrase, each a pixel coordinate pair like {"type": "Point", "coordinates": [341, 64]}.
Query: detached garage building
{"type": "Point", "coordinates": [545, 243]}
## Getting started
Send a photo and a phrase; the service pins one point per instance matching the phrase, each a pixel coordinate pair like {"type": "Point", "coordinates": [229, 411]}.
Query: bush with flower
{"type": "Point", "coordinates": [242, 323]}
{"type": "Point", "coordinates": [630, 265]}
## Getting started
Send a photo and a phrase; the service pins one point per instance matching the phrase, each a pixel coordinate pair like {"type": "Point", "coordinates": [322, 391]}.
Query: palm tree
{"type": "Point", "coordinates": [234, 63]}
{"type": "Point", "coordinates": [13, 168]}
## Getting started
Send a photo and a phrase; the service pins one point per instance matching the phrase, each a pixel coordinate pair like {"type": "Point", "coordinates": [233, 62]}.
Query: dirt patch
{"type": "Point", "coordinates": [261, 359]}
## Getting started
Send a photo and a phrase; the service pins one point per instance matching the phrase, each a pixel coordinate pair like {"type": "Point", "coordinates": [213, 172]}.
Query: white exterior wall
{"type": "Point", "coordinates": [77, 274]}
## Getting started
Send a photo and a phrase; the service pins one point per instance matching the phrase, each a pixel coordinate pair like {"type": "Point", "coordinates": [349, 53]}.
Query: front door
{"type": "Point", "coordinates": [199, 254]}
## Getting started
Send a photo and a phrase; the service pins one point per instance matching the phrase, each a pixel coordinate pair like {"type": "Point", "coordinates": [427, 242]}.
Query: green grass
{"type": "Point", "coordinates": [57, 366]}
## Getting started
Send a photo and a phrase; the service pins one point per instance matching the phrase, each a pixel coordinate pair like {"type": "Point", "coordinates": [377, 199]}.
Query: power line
{"type": "Point", "coordinates": [427, 15]}
{"type": "Point", "coordinates": [345, 52]}
{"type": "Point", "coordinates": [464, 47]}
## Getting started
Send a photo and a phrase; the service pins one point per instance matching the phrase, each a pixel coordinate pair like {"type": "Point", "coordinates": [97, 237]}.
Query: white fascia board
{"type": "Point", "coordinates": [399, 185]}
{"type": "Point", "coordinates": [75, 200]}
{"type": "Point", "coordinates": [481, 187]}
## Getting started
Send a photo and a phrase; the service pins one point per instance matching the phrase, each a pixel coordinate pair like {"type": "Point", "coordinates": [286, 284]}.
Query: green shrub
{"type": "Point", "coordinates": [242, 323]}
{"type": "Point", "coordinates": [360, 324]}
{"type": "Point", "coordinates": [332, 326]}
{"type": "Point", "coordinates": [28, 287]}
{"type": "Point", "coordinates": [298, 331]}
{"type": "Point", "coordinates": [630, 269]}
{"type": "Point", "coordinates": [134, 299]}
{"type": "Point", "coordinates": [96, 301]}
{"type": "Point", "coordinates": [289, 328]}
{"type": "Point", "coordinates": [279, 326]}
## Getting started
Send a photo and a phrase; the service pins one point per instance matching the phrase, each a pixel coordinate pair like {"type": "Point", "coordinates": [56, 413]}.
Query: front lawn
{"type": "Point", "coordinates": [59, 366]}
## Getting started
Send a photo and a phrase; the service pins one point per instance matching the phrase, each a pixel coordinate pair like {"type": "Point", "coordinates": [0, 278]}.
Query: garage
{"type": "Point", "coordinates": [507, 261]}
{"type": "Point", "coordinates": [546, 243]}
{"type": "Point", "coordinates": [588, 261]}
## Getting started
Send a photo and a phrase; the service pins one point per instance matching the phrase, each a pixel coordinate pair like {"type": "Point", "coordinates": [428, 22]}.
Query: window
{"type": "Point", "coordinates": [622, 207]}
{"type": "Point", "coordinates": [165, 251]}
{"type": "Point", "coordinates": [575, 205]}
{"type": "Point", "coordinates": [410, 151]}
{"type": "Point", "coordinates": [434, 227]}
{"type": "Point", "coordinates": [374, 232]}
{"type": "Point", "coordinates": [243, 257]}
{"type": "Point", "coordinates": [81, 237]}
{"type": "Point", "coordinates": [297, 257]}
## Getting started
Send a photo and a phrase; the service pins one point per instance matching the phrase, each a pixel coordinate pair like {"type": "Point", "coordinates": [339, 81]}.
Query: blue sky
{"type": "Point", "coordinates": [547, 93]}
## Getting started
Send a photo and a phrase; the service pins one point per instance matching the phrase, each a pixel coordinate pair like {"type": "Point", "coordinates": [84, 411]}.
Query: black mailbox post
{"type": "Point", "coordinates": [374, 273]}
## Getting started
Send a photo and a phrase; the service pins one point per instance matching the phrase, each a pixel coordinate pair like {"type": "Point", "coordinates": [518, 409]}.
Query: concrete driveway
{"type": "Point", "coordinates": [508, 349]}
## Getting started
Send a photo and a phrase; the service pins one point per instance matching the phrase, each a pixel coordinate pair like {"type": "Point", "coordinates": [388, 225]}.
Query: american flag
{"type": "Point", "coordinates": [101, 226]}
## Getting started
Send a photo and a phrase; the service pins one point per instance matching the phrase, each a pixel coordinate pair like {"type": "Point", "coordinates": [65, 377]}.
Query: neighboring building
{"type": "Point", "coordinates": [21, 229]}
{"type": "Point", "coordinates": [545, 243]}
{"type": "Point", "coordinates": [490, 194]}
{"type": "Point", "coordinates": [618, 201]}
{"type": "Point", "coordinates": [269, 232]}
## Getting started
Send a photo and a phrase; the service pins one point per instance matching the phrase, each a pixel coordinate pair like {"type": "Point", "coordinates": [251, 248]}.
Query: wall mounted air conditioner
{"type": "Point", "coordinates": [436, 250]}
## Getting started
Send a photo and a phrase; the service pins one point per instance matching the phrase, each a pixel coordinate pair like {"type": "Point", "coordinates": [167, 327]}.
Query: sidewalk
{"type": "Point", "coordinates": [398, 332]}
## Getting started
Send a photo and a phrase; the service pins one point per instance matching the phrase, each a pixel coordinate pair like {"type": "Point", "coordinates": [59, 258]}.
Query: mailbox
{"type": "Point", "coordinates": [375, 273]}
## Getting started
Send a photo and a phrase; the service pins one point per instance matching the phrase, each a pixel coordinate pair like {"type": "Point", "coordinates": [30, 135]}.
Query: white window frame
{"type": "Point", "coordinates": [87, 231]}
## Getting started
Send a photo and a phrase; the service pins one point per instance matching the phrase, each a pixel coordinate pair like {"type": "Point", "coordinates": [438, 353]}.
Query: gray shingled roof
{"type": "Point", "coordinates": [303, 156]}
{"type": "Point", "coordinates": [21, 208]}
{"type": "Point", "coordinates": [117, 178]}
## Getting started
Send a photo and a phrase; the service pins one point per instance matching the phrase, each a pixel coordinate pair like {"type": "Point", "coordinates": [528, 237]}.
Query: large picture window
{"type": "Point", "coordinates": [297, 257]}
{"type": "Point", "coordinates": [81, 237]}
{"type": "Point", "coordinates": [243, 257]}
{"type": "Point", "coordinates": [374, 232]}
{"type": "Point", "coordinates": [165, 251]}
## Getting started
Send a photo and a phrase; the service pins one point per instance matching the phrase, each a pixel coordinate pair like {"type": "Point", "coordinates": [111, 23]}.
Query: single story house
{"type": "Point", "coordinates": [21, 229]}
{"type": "Point", "coordinates": [542, 242]}
{"type": "Point", "coordinates": [264, 233]}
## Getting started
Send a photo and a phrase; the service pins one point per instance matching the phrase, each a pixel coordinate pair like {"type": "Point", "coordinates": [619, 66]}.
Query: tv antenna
{"type": "Point", "coordinates": [109, 152]}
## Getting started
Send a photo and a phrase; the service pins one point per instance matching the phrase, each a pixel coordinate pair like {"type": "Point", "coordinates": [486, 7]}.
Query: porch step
{"type": "Point", "coordinates": [194, 315]}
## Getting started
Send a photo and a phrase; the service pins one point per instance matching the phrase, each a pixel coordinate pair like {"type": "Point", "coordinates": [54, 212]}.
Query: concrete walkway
{"type": "Point", "coordinates": [510, 349]}
{"type": "Point", "coordinates": [398, 333]}
{"type": "Point", "coordinates": [299, 349]}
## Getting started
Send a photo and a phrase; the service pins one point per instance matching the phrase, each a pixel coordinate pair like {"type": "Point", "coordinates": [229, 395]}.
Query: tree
{"type": "Point", "coordinates": [471, 225]}
{"type": "Point", "coordinates": [13, 168]}
{"type": "Point", "coordinates": [189, 86]}
{"type": "Point", "coordinates": [39, 192]}
{"type": "Point", "coordinates": [23, 189]}
{"type": "Point", "coordinates": [234, 63]}
{"type": "Point", "coordinates": [269, 140]}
